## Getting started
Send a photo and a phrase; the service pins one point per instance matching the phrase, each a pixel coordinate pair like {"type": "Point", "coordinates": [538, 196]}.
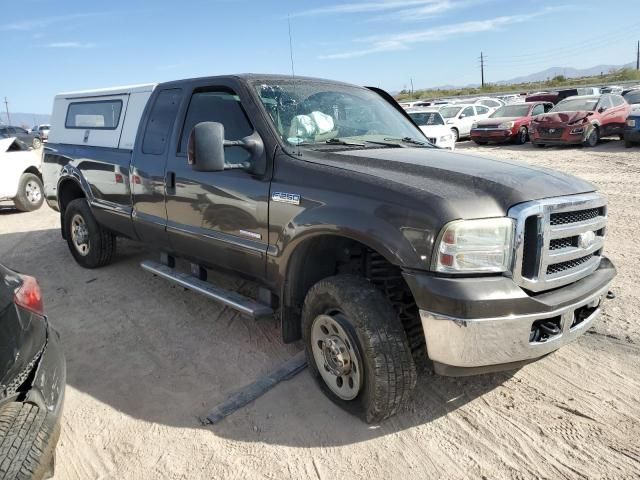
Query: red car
{"type": "Point", "coordinates": [581, 120]}
{"type": "Point", "coordinates": [508, 123]}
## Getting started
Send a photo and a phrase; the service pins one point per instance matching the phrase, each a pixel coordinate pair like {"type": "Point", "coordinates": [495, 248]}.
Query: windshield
{"type": "Point", "coordinates": [425, 119]}
{"type": "Point", "coordinates": [315, 112]}
{"type": "Point", "coordinates": [449, 112]}
{"type": "Point", "coordinates": [511, 111]}
{"type": "Point", "coordinates": [576, 105]}
{"type": "Point", "coordinates": [633, 97]}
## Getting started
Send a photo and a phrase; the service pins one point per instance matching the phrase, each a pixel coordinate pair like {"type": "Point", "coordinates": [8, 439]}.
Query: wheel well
{"type": "Point", "coordinates": [34, 171]}
{"type": "Point", "coordinates": [329, 255]}
{"type": "Point", "coordinates": [67, 191]}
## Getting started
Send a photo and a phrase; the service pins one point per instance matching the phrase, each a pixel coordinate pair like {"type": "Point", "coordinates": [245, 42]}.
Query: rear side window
{"type": "Point", "coordinates": [156, 136]}
{"type": "Point", "coordinates": [537, 110]}
{"type": "Point", "coordinates": [481, 109]}
{"type": "Point", "coordinates": [99, 115]}
{"type": "Point", "coordinates": [468, 112]}
{"type": "Point", "coordinates": [617, 100]}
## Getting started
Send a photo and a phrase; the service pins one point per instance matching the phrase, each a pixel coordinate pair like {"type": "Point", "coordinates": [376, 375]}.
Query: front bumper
{"type": "Point", "coordinates": [475, 325]}
{"type": "Point", "coordinates": [492, 135]}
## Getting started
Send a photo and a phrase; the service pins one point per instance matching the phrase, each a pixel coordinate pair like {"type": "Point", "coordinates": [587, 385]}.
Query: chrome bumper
{"type": "Point", "coordinates": [482, 342]}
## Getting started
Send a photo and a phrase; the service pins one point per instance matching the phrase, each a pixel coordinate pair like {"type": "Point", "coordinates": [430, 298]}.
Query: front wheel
{"type": "Point", "coordinates": [91, 245]}
{"type": "Point", "coordinates": [456, 135]}
{"type": "Point", "coordinates": [523, 136]}
{"type": "Point", "coordinates": [593, 138]}
{"type": "Point", "coordinates": [356, 347]}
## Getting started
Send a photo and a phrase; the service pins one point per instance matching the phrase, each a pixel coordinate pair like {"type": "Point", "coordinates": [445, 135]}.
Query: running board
{"type": "Point", "coordinates": [228, 298]}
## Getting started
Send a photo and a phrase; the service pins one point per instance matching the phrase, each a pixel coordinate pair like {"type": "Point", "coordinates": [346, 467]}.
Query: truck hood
{"type": "Point", "coordinates": [563, 117]}
{"type": "Point", "coordinates": [459, 185]}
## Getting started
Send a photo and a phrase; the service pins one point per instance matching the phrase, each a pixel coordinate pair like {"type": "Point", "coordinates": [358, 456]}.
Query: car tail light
{"type": "Point", "coordinates": [29, 296]}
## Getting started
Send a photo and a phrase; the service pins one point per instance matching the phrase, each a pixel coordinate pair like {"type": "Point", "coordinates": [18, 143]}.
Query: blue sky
{"type": "Point", "coordinates": [51, 46]}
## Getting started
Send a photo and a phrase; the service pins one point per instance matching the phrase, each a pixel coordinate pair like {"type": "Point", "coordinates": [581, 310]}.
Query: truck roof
{"type": "Point", "coordinates": [145, 87]}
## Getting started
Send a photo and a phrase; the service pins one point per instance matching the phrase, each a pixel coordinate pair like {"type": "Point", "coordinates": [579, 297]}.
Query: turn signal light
{"type": "Point", "coordinates": [29, 296]}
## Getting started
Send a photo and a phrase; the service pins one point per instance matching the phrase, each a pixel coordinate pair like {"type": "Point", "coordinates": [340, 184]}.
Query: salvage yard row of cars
{"type": "Point", "coordinates": [573, 116]}
{"type": "Point", "coordinates": [367, 243]}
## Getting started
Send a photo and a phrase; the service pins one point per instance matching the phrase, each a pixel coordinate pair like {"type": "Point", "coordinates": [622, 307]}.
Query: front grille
{"type": "Point", "coordinates": [574, 217]}
{"type": "Point", "coordinates": [563, 266]}
{"type": "Point", "coordinates": [558, 240]}
{"type": "Point", "coordinates": [550, 132]}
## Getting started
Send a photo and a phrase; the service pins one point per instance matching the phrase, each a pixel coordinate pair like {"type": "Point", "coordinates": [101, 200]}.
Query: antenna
{"type": "Point", "coordinates": [293, 72]}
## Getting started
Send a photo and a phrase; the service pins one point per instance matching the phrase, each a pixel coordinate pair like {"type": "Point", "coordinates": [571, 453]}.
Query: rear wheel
{"type": "Point", "coordinates": [29, 195]}
{"type": "Point", "coordinates": [593, 138]}
{"type": "Point", "coordinates": [523, 136]}
{"type": "Point", "coordinates": [356, 347]}
{"type": "Point", "coordinates": [91, 245]}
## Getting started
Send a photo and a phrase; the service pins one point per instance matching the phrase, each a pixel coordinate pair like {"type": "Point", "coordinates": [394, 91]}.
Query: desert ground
{"type": "Point", "coordinates": [147, 359]}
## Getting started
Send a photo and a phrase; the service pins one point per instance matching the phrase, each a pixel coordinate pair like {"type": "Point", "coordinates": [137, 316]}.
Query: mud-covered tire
{"type": "Point", "coordinates": [101, 242]}
{"type": "Point", "coordinates": [30, 193]}
{"type": "Point", "coordinates": [377, 338]}
{"type": "Point", "coordinates": [28, 438]}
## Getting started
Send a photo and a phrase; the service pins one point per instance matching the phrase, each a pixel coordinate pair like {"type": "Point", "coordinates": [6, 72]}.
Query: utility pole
{"type": "Point", "coordinates": [6, 106]}
{"type": "Point", "coordinates": [482, 69]}
{"type": "Point", "coordinates": [411, 79]}
{"type": "Point", "coordinates": [638, 57]}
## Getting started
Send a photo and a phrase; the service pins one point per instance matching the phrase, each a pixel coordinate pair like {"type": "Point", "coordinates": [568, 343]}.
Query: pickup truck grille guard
{"type": "Point", "coordinates": [558, 240]}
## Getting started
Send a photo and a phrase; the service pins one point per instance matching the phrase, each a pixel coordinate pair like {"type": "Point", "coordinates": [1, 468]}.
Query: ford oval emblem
{"type": "Point", "coordinates": [586, 240]}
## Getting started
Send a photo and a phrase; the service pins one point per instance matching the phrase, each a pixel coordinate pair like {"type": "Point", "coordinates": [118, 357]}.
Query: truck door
{"type": "Point", "coordinates": [147, 176]}
{"type": "Point", "coordinates": [218, 217]}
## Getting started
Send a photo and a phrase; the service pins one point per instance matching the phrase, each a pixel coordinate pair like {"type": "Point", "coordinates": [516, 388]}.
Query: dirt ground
{"type": "Point", "coordinates": [147, 359]}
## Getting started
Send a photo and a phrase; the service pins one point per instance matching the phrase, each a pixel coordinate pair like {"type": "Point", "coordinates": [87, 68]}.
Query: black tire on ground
{"type": "Point", "coordinates": [456, 135]}
{"type": "Point", "coordinates": [27, 442]}
{"type": "Point", "coordinates": [30, 193]}
{"type": "Point", "coordinates": [101, 245]}
{"type": "Point", "coordinates": [377, 341]}
{"type": "Point", "coordinates": [522, 137]}
{"type": "Point", "coordinates": [628, 144]}
{"type": "Point", "coordinates": [593, 139]}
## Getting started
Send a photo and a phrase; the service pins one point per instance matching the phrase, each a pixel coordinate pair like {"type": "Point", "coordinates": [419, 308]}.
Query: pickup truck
{"type": "Point", "coordinates": [369, 244]}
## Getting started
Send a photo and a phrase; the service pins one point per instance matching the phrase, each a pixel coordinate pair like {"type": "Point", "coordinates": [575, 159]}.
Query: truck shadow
{"type": "Point", "coordinates": [163, 355]}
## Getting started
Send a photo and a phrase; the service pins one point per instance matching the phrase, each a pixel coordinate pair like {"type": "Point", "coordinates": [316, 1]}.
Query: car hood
{"type": "Point", "coordinates": [563, 117]}
{"type": "Point", "coordinates": [457, 185]}
{"type": "Point", "coordinates": [435, 130]}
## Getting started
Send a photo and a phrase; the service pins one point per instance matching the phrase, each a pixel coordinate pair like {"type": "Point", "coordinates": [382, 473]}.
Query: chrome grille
{"type": "Point", "coordinates": [558, 240]}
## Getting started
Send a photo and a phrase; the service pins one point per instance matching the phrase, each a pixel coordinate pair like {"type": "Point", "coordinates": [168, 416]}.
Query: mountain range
{"type": "Point", "coordinates": [25, 119]}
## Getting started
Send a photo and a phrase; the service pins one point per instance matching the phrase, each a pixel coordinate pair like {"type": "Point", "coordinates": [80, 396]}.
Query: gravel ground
{"type": "Point", "coordinates": [146, 359]}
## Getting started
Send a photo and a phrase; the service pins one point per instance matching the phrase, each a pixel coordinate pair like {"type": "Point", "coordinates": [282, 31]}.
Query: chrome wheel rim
{"type": "Point", "coordinates": [36, 143]}
{"type": "Point", "coordinates": [80, 235]}
{"type": "Point", "coordinates": [32, 192]}
{"type": "Point", "coordinates": [335, 357]}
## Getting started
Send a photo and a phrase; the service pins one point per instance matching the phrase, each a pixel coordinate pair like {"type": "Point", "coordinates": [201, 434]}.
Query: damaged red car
{"type": "Point", "coordinates": [581, 120]}
{"type": "Point", "coordinates": [509, 123]}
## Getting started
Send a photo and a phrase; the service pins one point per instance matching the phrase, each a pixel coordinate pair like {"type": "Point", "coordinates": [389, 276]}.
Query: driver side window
{"type": "Point", "coordinates": [468, 112]}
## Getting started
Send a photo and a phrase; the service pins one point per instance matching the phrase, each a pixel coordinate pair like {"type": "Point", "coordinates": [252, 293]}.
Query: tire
{"type": "Point", "coordinates": [36, 144]}
{"type": "Point", "coordinates": [30, 193]}
{"type": "Point", "coordinates": [628, 144]}
{"type": "Point", "coordinates": [363, 326]}
{"type": "Point", "coordinates": [522, 137]}
{"type": "Point", "coordinates": [91, 245]}
{"type": "Point", "coordinates": [593, 138]}
{"type": "Point", "coordinates": [456, 135]}
{"type": "Point", "coordinates": [28, 440]}
{"type": "Point", "coordinates": [621, 136]}
{"type": "Point", "coordinates": [480, 142]}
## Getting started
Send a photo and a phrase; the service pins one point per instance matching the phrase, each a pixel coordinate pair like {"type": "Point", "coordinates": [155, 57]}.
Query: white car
{"type": "Point", "coordinates": [492, 103]}
{"type": "Point", "coordinates": [434, 127]}
{"type": "Point", "coordinates": [460, 117]}
{"type": "Point", "coordinates": [20, 177]}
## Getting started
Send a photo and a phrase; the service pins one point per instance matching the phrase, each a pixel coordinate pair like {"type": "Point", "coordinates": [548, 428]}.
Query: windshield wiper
{"type": "Point", "coordinates": [342, 141]}
{"type": "Point", "coordinates": [410, 140]}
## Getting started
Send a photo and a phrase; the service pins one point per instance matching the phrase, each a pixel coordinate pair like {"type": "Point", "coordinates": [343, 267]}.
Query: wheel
{"type": "Point", "coordinates": [36, 144]}
{"type": "Point", "coordinates": [456, 135]}
{"type": "Point", "coordinates": [356, 347]}
{"type": "Point", "coordinates": [29, 195]}
{"type": "Point", "coordinates": [523, 136]}
{"type": "Point", "coordinates": [27, 442]}
{"type": "Point", "coordinates": [628, 143]}
{"type": "Point", "coordinates": [593, 138]}
{"type": "Point", "coordinates": [480, 142]}
{"type": "Point", "coordinates": [91, 245]}
{"type": "Point", "coordinates": [621, 136]}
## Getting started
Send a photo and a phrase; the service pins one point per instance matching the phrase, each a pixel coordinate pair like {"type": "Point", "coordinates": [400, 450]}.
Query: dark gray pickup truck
{"type": "Point", "coordinates": [368, 243]}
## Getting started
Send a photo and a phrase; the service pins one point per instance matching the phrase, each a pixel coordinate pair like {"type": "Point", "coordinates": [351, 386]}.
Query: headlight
{"type": "Point", "coordinates": [631, 123]}
{"type": "Point", "coordinates": [451, 120]}
{"type": "Point", "coordinates": [445, 138]}
{"type": "Point", "coordinates": [474, 125]}
{"type": "Point", "coordinates": [506, 125]}
{"type": "Point", "coordinates": [475, 246]}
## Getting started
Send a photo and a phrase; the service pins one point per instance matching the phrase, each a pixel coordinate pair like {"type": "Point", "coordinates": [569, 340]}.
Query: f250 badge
{"type": "Point", "coordinates": [291, 198]}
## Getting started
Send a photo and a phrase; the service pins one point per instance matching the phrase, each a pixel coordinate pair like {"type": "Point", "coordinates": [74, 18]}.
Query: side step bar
{"type": "Point", "coordinates": [231, 299]}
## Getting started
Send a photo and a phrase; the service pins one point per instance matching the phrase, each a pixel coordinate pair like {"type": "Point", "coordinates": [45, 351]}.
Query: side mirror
{"type": "Point", "coordinates": [601, 109]}
{"type": "Point", "coordinates": [205, 150]}
{"type": "Point", "coordinates": [462, 115]}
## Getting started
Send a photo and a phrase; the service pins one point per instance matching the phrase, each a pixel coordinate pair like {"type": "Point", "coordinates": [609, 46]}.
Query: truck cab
{"type": "Point", "coordinates": [368, 243]}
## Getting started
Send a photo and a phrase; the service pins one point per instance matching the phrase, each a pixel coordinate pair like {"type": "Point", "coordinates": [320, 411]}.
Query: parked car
{"type": "Point", "coordinates": [42, 131]}
{"type": "Point", "coordinates": [611, 89]}
{"type": "Point", "coordinates": [630, 89]}
{"type": "Point", "coordinates": [32, 380]}
{"type": "Point", "coordinates": [588, 91]}
{"type": "Point", "coordinates": [632, 129]}
{"type": "Point", "coordinates": [492, 103]}
{"type": "Point", "coordinates": [434, 127]}
{"type": "Point", "coordinates": [367, 243]}
{"type": "Point", "coordinates": [632, 97]}
{"type": "Point", "coordinates": [31, 140]}
{"type": "Point", "coordinates": [581, 120]}
{"type": "Point", "coordinates": [460, 117]}
{"type": "Point", "coordinates": [508, 123]}
{"type": "Point", "coordinates": [20, 176]}
{"type": "Point", "coordinates": [553, 97]}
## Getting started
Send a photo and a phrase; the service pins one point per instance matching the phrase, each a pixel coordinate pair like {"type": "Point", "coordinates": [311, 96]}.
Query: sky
{"type": "Point", "coordinates": [52, 46]}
